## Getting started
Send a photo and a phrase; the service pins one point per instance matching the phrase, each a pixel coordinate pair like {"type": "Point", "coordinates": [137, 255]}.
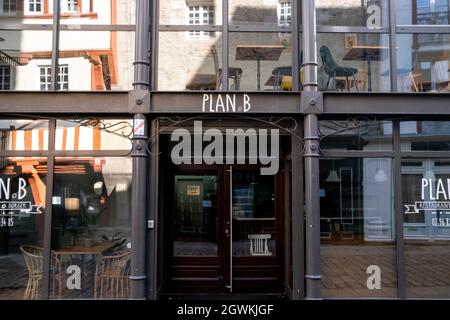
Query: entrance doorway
{"type": "Point", "coordinates": [225, 231]}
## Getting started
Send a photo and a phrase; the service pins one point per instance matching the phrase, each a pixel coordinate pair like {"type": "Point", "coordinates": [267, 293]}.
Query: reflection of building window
{"type": "Point", "coordinates": [69, 6]}
{"type": "Point", "coordinates": [284, 14]}
{"type": "Point", "coordinates": [8, 6]}
{"type": "Point", "coordinates": [432, 11]}
{"type": "Point", "coordinates": [34, 6]}
{"type": "Point", "coordinates": [45, 78]}
{"type": "Point", "coordinates": [5, 78]}
{"type": "Point", "coordinates": [200, 16]}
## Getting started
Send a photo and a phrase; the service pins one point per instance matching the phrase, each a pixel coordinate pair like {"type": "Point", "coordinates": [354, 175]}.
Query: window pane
{"type": "Point", "coordinates": [190, 12]}
{"type": "Point", "coordinates": [76, 12]}
{"type": "Point", "coordinates": [189, 61]}
{"type": "Point", "coordinates": [25, 52]}
{"type": "Point", "coordinates": [357, 228]}
{"type": "Point", "coordinates": [423, 61]}
{"type": "Point", "coordinates": [98, 60]}
{"type": "Point", "coordinates": [94, 134]}
{"type": "Point", "coordinates": [425, 135]}
{"type": "Point", "coordinates": [426, 227]}
{"type": "Point", "coordinates": [22, 212]}
{"type": "Point", "coordinates": [196, 218]}
{"type": "Point", "coordinates": [373, 14]}
{"type": "Point", "coordinates": [23, 135]}
{"type": "Point", "coordinates": [353, 62]}
{"type": "Point", "coordinates": [356, 135]}
{"type": "Point", "coordinates": [260, 12]}
{"type": "Point", "coordinates": [91, 228]}
{"type": "Point", "coordinates": [260, 61]}
{"type": "Point", "coordinates": [432, 12]}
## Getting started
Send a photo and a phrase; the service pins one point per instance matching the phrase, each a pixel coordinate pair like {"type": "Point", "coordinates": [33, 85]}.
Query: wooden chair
{"type": "Point", "coordinates": [33, 257]}
{"type": "Point", "coordinates": [259, 245]}
{"type": "Point", "coordinates": [111, 276]}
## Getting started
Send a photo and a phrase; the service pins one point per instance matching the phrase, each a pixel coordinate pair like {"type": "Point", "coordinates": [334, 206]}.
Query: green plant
{"type": "Point", "coordinates": [117, 241]}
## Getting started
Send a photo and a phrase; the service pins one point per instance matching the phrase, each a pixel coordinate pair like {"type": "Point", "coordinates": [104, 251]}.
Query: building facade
{"type": "Point", "coordinates": [180, 148]}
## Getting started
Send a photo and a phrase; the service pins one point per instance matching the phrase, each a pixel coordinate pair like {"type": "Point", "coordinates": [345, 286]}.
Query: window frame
{"type": "Point", "coordinates": [70, 6]}
{"type": "Point", "coordinates": [3, 68]}
{"type": "Point", "coordinates": [200, 34]}
{"type": "Point", "coordinates": [284, 13]}
{"type": "Point", "coordinates": [48, 77]}
{"type": "Point", "coordinates": [10, 3]}
{"type": "Point", "coordinates": [33, 3]}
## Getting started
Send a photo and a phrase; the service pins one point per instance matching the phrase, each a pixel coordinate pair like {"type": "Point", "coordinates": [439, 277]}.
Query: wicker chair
{"type": "Point", "coordinates": [33, 257]}
{"type": "Point", "coordinates": [111, 276]}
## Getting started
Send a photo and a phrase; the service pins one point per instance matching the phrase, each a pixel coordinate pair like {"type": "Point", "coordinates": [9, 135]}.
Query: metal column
{"type": "Point", "coordinates": [311, 138]}
{"type": "Point", "coordinates": [140, 156]}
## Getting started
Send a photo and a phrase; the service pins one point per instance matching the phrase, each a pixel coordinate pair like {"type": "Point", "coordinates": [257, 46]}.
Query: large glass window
{"type": "Point", "coordinates": [23, 135]}
{"type": "Point", "coordinates": [371, 14]}
{"type": "Point", "coordinates": [354, 62]}
{"type": "Point", "coordinates": [423, 62]}
{"type": "Point", "coordinates": [79, 12]}
{"type": "Point", "coordinates": [22, 54]}
{"type": "Point", "coordinates": [94, 134]}
{"type": "Point", "coordinates": [425, 135]}
{"type": "Point", "coordinates": [426, 227]}
{"type": "Point", "coordinates": [432, 12]}
{"type": "Point", "coordinates": [260, 12]}
{"type": "Point", "coordinates": [23, 184]}
{"type": "Point", "coordinates": [189, 64]}
{"type": "Point", "coordinates": [357, 229]}
{"type": "Point", "coordinates": [356, 135]}
{"type": "Point", "coordinates": [260, 61]}
{"type": "Point", "coordinates": [97, 60]}
{"type": "Point", "coordinates": [91, 228]}
{"type": "Point", "coordinates": [190, 12]}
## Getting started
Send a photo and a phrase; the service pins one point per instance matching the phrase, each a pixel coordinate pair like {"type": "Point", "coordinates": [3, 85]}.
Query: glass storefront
{"type": "Point", "coordinates": [357, 228]}
{"type": "Point", "coordinates": [90, 209]}
{"type": "Point", "coordinates": [23, 207]}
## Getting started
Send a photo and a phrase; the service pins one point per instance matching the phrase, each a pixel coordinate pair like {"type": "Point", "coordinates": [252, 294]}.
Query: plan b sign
{"type": "Point", "coordinates": [435, 199]}
{"type": "Point", "coordinates": [13, 195]}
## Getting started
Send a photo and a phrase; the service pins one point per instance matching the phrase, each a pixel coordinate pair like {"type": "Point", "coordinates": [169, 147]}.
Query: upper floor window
{"type": "Point", "coordinates": [284, 14]}
{"type": "Point", "coordinates": [45, 77]}
{"type": "Point", "coordinates": [34, 7]}
{"type": "Point", "coordinates": [8, 7]}
{"type": "Point", "coordinates": [69, 6]}
{"type": "Point", "coordinates": [200, 16]}
{"type": "Point", "coordinates": [5, 78]}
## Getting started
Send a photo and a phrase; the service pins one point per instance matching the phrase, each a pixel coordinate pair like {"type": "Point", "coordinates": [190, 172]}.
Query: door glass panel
{"type": "Point", "coordinates": [195, 226]}
{"type": "Point", "coordinates": [253, 214]}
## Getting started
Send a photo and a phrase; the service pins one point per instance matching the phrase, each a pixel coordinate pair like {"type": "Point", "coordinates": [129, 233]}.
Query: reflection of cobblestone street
{"type": "Point", "coordinates": [344, 270]}
{"type": "Point", "coordinates": [13, 277]}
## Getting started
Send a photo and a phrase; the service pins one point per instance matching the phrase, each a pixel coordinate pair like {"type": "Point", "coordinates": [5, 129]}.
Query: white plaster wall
{"type": "Point", "coordinates": [79, 73]}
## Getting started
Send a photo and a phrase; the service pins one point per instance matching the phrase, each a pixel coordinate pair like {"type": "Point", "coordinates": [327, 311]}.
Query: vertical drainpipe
{"type": "Point", "coordinates": [311, 137]}
{"type": "Point", "coordinates": [139, 155]}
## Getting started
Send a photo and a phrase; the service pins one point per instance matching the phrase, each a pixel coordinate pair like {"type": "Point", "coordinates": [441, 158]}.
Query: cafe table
{"type": "Point", "coordinates": [82, 251]}
{"type": "Point", "coordinates": [258, 53]}
{"type": "Point", "coordinates": [368, 54]}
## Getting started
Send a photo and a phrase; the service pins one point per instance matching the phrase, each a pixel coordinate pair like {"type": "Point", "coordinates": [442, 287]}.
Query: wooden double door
{"type": "Point", "coordinates": [225, 232]}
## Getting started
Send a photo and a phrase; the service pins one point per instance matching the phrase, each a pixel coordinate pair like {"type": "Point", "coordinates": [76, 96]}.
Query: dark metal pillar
{"type": "Point", "coordinates": [139, 154]}
{"type": "Point", "coordinates": [311, 138]}
{"type": "Point", "coordinates": [55, 44]}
